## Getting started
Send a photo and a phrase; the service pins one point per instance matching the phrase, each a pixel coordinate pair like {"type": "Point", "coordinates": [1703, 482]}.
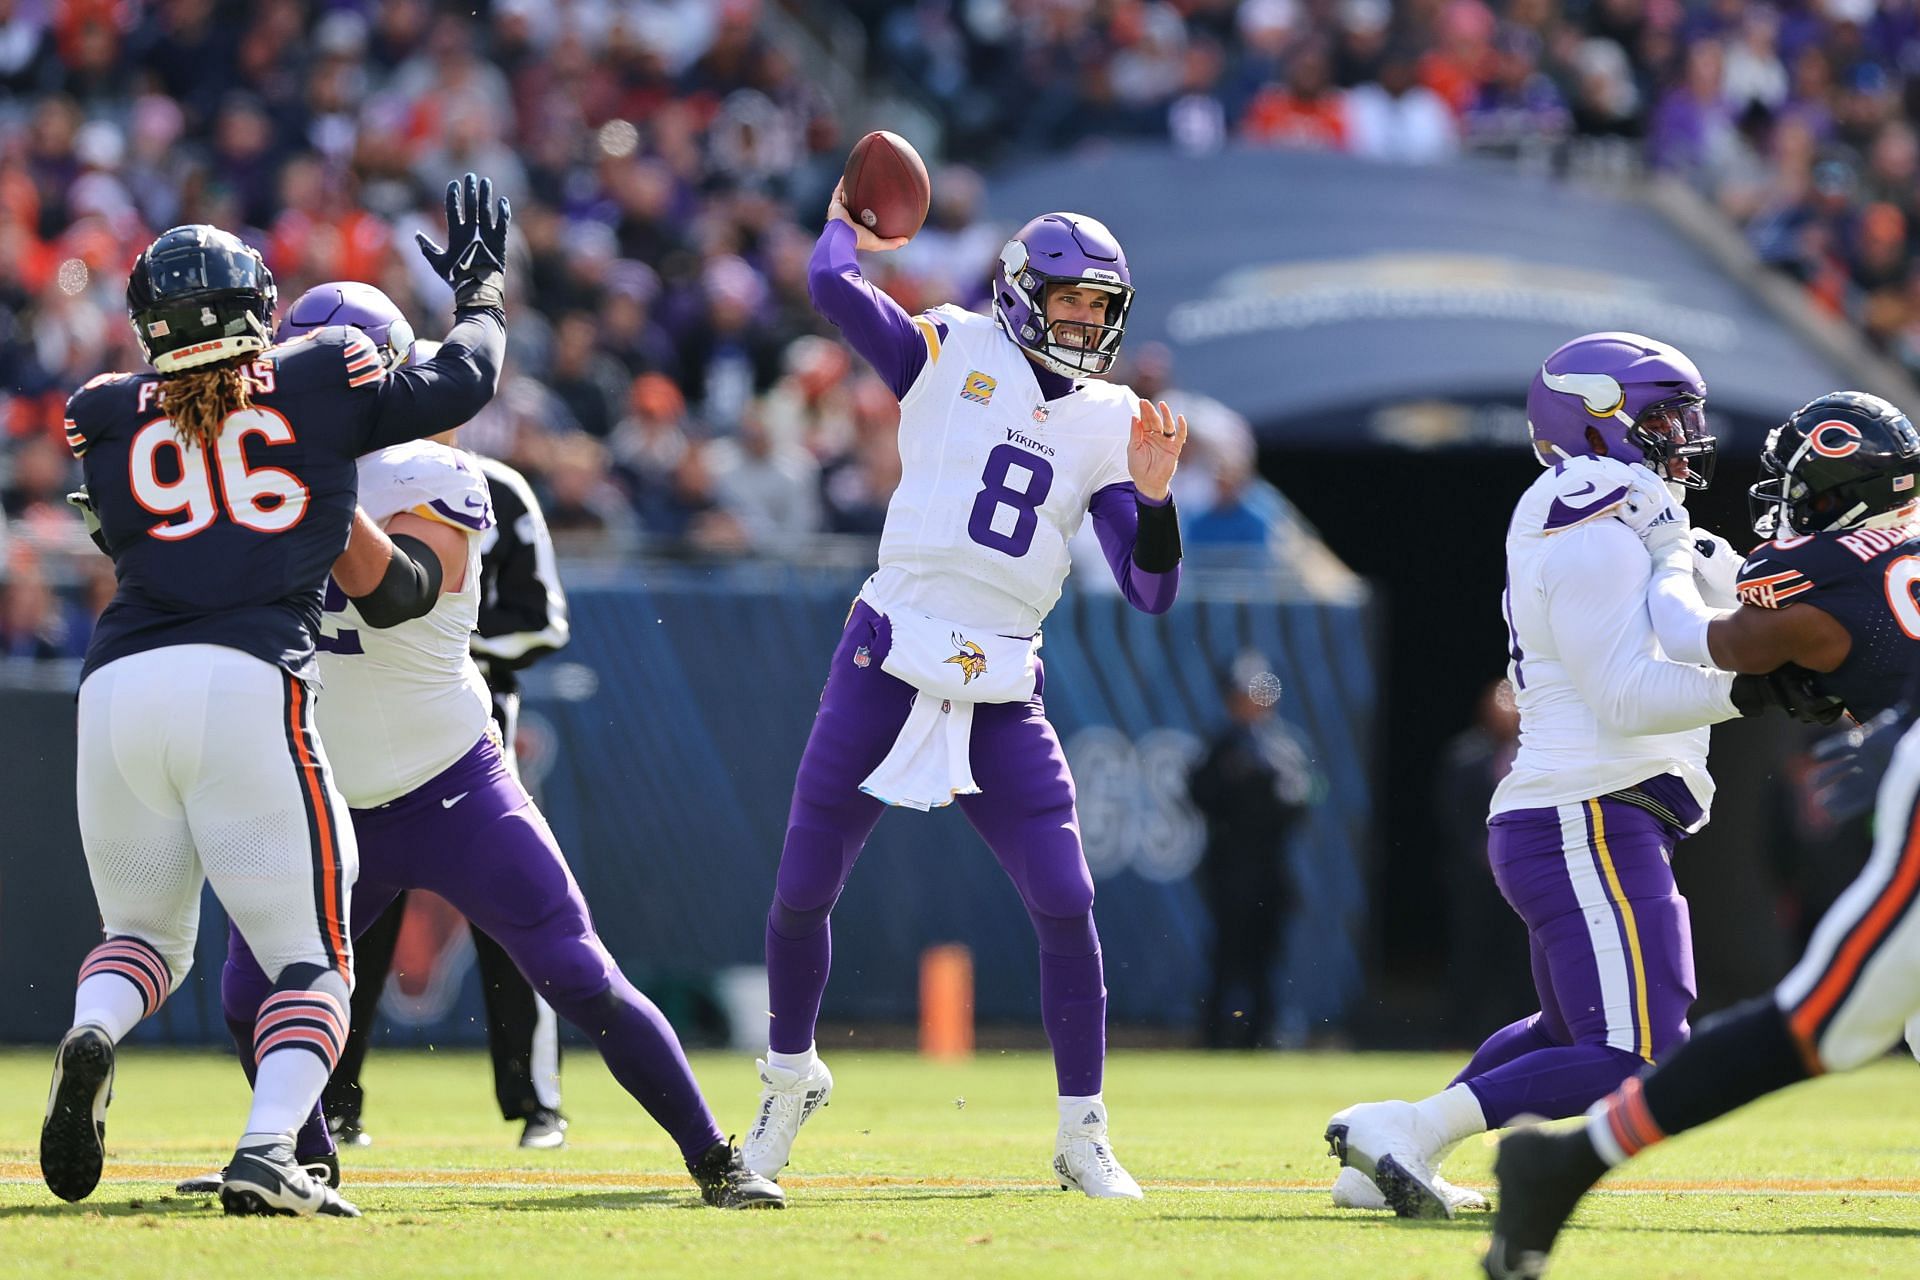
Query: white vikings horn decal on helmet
{"type": "Point", "coordinates": [1601, 393]}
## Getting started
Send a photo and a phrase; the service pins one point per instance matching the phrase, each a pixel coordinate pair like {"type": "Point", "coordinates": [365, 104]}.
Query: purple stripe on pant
{"type": "Point", "coordinates": [1025, 813]}
{"type": "Point", "coordinates": [473, 836]}
{"type": "Point", "coordinates": [1612, 957]}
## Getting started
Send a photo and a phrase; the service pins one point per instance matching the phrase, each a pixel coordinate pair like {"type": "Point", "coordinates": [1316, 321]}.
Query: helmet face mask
{"type": "Point", "coordinates": [1054, 250]}
{"type": "Point", "coordinates": [198, 296]}
{"type": "Point", "coordinates": [1673, 437]}
{"type": "Point", "coordinates": [1844, 461]}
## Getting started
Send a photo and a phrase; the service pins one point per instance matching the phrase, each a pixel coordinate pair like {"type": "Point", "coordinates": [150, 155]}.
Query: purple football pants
{"type": "Point", "coordinates": [473, 836]}
{"type": "Point", "coordinates": [1612, 957]}
{"type": "Point", "coordinates": [1025, 813]}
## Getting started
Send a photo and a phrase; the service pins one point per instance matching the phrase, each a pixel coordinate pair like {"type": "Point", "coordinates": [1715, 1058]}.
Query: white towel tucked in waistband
{"type": "Point", "coordinates": [952, 667]}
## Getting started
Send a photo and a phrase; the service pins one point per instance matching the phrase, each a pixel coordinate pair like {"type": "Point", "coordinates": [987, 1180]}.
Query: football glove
{"type": "Point", "coordinates": [1845, 779]}
{"type": "Point", "coordinates": [1716, 570]}
{"type": "Point", "coordinates": [82, 501]}
{"type": "Point", "coordinates": [1791, 690]}
{"type": "Point", "coordinates": [1652, 513]}
{"type": "Point", "coordinates": [475, 259]}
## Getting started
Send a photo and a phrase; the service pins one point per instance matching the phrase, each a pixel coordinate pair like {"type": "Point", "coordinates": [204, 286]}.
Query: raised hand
{"type": "Point", "coordinates": [1154, 451]}
{"type": "Point", "coordinates": [863, 238]}
{"type": "Point", "coordinates": [475, 259]}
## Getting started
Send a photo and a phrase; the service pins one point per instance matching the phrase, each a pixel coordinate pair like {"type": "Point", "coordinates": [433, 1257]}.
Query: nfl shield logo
{"type": "Point", "coordinates": [1039, 413]}
{"type": "Point", "coordinates": [862, 656]}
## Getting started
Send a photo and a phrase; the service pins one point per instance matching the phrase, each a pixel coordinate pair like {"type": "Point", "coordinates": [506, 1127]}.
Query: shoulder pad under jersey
{"type": "Point", "coordinates": [427, 479]}
{"type": "Point", "coordinates": [1585, 489]}
{"type": "Point", "coordinates": [1775, 573]}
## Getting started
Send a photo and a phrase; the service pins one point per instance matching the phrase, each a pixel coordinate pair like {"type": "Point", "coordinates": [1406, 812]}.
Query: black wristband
{"type": "Point", "coordinates": [409, 587]}
{"type": "Point", "coordinates": [488, 290]}
{"type": "Point", "coordinates": [1156, 544]}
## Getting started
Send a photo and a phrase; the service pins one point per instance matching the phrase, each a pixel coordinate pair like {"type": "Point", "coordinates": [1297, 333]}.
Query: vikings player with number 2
{"type": "Point", "coordinates": [935, 689]}
{"type": "Point", "coordinates": [223, 488]}
{"type": "Point", "coordinates": [1609, 777]}
{"type": "Point", "coordinates": [434, 805]}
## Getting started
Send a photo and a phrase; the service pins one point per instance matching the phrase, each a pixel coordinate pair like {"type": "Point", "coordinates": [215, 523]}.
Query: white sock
{"type": "Point", "coordinates": [1600, 1133]}
{"type": "Point", "coordinates": [1075, 1110]}
{"type": "Point", "coordinates": [1452, 1114]}
{"type": "Point", "coordinates": [110, 1002]}
{"type": "Point", "coordinates": [801, 1062]}
{"type": "Point", "coordinates": [288, 1084]}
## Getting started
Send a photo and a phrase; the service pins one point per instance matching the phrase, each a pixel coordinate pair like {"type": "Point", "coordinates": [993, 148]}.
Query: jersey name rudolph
{"type": "Point", "coordinates": [404, 703]}
{"type": "Point", "coordinates": [995, 480]}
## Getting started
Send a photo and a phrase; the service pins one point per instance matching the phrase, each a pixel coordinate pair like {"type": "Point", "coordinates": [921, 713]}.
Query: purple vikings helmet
{"type": "Point", "coordinates": [1645, 399]}
{"type": "Point", "coordinates": [1056, 248]}
{"type": "Point", "coordinates": [360, 306]}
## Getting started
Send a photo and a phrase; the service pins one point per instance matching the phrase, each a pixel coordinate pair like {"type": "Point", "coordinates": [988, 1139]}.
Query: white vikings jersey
{"type": "Point", "coordinates": [994, 480]}
{"type": "Point", "coordinates": [1601, 707]}
{"type": "Point", "coordinates": [404, 703]}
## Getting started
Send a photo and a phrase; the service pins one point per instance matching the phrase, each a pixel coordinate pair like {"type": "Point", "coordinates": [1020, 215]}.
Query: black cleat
{"type": "Point", "coordinates": [546, 1130]}
{"type": "Point", "coordinates": [266, 1182]}
{"type": "Point", "coordinates": [73, 1137]}
{"type": "Point", "coordinates": [1542, 1177]}
{"type": "Point", "coordinates": [727, 1183]}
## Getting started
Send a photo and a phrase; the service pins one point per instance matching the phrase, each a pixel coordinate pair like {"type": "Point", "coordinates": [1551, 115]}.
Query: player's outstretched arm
{"type": "Point", "coordinates": [445, 391]}
{"type": "Point", "coordinates": [1746, 639]}
{"type": "Point", "coordinates": [875, 325]}
{"type": "Point", "coordinates": [1596, 578]}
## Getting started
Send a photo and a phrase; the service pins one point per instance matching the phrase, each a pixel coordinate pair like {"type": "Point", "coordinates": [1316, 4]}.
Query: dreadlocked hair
{"type": "Point", "coordinates": [199, 400]}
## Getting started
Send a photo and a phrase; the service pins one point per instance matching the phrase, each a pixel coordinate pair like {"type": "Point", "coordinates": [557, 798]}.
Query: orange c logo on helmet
{"type": "Point", "coordinates": [1817, 438]}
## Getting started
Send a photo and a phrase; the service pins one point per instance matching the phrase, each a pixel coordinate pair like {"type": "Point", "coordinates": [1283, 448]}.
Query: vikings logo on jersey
{"type": "Point", "coordinates": [971, 659]}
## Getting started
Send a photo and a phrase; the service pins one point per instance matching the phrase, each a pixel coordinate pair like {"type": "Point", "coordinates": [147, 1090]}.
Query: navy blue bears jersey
{"type": "Point", "coordinates": [1868, 581]}
{"type": "Point", "coordinates": [234, 547]}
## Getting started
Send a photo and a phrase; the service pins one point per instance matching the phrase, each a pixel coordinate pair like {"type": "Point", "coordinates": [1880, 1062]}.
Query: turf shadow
{"type": "Point", "coordinates": [157, 1206]}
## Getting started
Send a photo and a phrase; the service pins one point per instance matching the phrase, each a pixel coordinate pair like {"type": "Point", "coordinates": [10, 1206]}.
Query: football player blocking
{"type": "Point", "coordinates": [1008, 441]}
{"type": "Point", "coordinates": [432, 800]}
{"type": "Point", "coordinates": [1834, 589]}
{"type": "Point", "coordinates": [223, 488]}
{"type": "Point", "coordinates": [1615, 695]}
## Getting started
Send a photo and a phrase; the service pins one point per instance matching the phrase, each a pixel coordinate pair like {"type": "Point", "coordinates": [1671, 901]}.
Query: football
{"type": "Point", "coordinates": [885, 185]}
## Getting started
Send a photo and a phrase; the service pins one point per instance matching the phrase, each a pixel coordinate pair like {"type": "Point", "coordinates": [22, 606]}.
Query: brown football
{"type": "Point", "coordinates": [885, 185]}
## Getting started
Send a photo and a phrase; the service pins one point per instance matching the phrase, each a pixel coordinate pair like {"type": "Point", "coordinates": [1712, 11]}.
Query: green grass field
{"type": "Point", "coordinates": [927, 1170]}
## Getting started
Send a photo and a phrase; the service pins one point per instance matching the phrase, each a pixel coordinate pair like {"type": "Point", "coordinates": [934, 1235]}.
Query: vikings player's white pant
{"type": "Point", "coordinates": [199, 762]}
{"type": "Point", "coordinates": [1850, 997]}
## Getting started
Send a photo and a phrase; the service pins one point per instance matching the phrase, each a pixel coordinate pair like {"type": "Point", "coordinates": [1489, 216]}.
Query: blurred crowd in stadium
{"type": "Point", "coordinates": [669, 386]}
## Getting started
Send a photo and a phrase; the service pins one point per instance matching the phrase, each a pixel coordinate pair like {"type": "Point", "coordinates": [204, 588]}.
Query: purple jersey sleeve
{"type": "Point", "coordinates": [877, 326]}
{"type": "Point", "coordinates": [1116, 521]}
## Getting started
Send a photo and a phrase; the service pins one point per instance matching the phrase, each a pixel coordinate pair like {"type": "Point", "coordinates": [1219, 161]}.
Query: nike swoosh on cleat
{"type": "Point", "coordinates": [448, 804]}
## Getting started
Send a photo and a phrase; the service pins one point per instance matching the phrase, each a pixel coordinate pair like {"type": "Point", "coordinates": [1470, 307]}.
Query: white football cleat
{"type": "Point", "coordinates": [1084, 1159]}
{"type": "Point", "coordinates": [1355, 1190]}
{"type": "Point", "coordinates": [787, 1099]}
{"type": "Point", "coordinates": [1393, 1147]}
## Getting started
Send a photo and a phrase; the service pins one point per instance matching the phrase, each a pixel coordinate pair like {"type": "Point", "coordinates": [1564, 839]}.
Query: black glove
{"type": "Point", "coordinates": [1790, 689]}
{"type": "Point", "coordinates": [82, 501]}
{"type": "Point", "coordinates": [475, 259]}
{"type": "Point", "coordinates": [1845, 779]}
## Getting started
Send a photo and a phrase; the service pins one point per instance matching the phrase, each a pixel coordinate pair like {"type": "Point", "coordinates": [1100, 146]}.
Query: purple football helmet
{"type": "Point", "coordinates": [1646, 400]}
{"type": "Point", "coordinates": [1053, 249]}
{"type": "Point", "coordinates": [360, 306]}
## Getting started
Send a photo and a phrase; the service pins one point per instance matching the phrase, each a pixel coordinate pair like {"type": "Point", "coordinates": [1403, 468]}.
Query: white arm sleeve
{"type": "Point", "coordinates": [1596, 579]}
{"type": "Point", "coordinates": [1680, 617]}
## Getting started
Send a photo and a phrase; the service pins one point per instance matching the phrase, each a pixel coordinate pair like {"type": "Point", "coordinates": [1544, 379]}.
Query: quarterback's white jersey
{"type": "Point", "coordinates": [403, 703]}
{"type": "Point", "coordinates": [994, 480]}
{"type": "Point", "coordinates": [1601, 707]}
